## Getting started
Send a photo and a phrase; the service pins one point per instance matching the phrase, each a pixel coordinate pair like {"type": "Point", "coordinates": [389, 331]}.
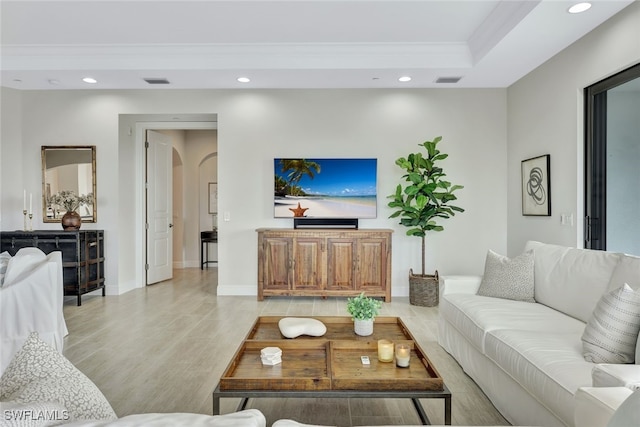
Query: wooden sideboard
{"type": "Point", "coordinates": [324, 262]}
{"type": "Point", "coordinates": [82, 255]}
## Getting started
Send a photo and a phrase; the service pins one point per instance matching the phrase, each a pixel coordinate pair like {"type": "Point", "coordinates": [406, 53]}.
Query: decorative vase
{"type": "Point", "coordinates": [424, 290]}
{"type": "Point", "coordinates": [71, 221]}
{"type": "Point", "coordinates": [363, 328]}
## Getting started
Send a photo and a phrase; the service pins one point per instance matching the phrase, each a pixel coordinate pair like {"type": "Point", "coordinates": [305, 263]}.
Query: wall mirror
{"type": "Point", "coordinates": [69, 170]}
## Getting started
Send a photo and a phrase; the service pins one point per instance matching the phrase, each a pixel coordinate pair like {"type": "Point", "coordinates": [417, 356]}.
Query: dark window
{"type": "Point", "coordinates": [612, 163]}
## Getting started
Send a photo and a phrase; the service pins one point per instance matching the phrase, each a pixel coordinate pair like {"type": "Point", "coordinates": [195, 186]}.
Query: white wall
{"type": "Point", "coordinates": [178, 142]}
{"type": "Point", "coordinates": [254, 126]}
{"type": "Point", "coordinates": [208, 173]}
{"type": "Point", "coordinates": [11, 167]}
{"type": "Point", "coordinates": [202, 145]}
{"type": "Point", "coordinates": [546, 117]}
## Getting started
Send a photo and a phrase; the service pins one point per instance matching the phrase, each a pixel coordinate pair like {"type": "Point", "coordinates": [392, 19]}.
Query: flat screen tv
{"type": "Point", "coordinates": [325, 188]}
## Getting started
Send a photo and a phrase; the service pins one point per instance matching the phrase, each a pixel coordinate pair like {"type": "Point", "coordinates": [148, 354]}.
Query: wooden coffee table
{"type": "Point", "coordinates": [330, 366]}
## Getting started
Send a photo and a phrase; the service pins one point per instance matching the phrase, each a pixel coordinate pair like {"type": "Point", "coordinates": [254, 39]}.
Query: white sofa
{"type": "Point", "coordinates": [31, 299]}
{"type": "Point", "coordinates": [528, 357]}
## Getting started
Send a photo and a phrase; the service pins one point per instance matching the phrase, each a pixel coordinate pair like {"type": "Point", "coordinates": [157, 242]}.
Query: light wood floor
{"type": "Point", "coordinates": [163, 349]}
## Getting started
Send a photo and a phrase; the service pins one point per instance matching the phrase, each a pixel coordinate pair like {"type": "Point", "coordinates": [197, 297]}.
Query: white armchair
{"type": "Point", "coordinates": [31, 299]}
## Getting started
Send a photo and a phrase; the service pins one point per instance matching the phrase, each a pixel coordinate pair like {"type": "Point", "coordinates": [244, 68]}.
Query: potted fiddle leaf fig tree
{"type": "Point", "coordinates": [423, 198]}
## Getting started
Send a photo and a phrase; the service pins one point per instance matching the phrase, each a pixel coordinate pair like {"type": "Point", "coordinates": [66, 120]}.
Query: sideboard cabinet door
{"type": "Point", "coordinates": [276, 259]}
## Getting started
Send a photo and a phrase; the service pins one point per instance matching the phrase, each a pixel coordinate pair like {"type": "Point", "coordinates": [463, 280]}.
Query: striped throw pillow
{"type": "Point", "coordinates": [612, 331]}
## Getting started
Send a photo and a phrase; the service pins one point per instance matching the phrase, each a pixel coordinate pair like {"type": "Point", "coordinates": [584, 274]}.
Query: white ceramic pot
{"type": "Point", "coordinates": [363, 328]}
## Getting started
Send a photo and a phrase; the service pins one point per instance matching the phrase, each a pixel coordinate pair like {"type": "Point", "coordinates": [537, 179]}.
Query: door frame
{"type": "Point", "coordinates": [140, 131]}
{"type": "Point", "coordinates": [595, 156]}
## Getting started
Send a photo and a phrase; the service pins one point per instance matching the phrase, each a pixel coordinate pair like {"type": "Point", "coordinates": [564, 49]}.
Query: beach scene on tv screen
{"type": "Point", "coordinates": [325, 188]}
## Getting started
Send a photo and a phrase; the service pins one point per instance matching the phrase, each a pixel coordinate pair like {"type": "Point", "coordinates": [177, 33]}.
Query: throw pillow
{"type": "Point", "coordinates": [38, 373]}
{"type": "Point", "coordinates": [628, 413]}
{"type": "Point", "coordinates": [612, 331]}
{"type": "Point", "coordinates": [508, 278]}
{"type": "Point", "coordinates": [4, 262]}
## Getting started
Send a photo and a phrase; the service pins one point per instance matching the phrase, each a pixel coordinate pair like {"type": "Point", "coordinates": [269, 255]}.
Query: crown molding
{"type": "Point", "coordinates": [233, 56]}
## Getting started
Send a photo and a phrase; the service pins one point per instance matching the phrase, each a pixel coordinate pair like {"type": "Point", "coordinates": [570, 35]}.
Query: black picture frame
{"type": "Point", "coordinates": [213, 197]}
{"type": "Point", "coordinates": [536, 186]}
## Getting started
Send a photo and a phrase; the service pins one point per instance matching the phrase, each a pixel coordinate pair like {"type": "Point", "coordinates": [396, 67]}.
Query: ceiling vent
{"type": "Point", "coordinates": [156, 81]}
{"type": "Point", "coordinates": [448, 79]}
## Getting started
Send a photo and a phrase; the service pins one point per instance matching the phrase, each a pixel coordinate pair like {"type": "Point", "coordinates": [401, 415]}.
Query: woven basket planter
{"type": "Point", "coordinates": [423, 290]}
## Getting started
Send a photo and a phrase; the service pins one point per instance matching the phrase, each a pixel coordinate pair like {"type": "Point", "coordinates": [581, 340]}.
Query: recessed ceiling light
{"type": "Point", "coordinates": [404, 79]}
{"type": "Point", "coordinates": [54, 82]}
{"type": "Point", "coordinates": [580, 7]}
{"type": "Point", "coordinates": [244, 79]}
{"type": "Point", "coordinates": [90, 80]}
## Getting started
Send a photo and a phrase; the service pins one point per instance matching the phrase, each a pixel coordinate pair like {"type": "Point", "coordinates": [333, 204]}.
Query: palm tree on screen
{"type": "Point", "coordinates": [296, 169]}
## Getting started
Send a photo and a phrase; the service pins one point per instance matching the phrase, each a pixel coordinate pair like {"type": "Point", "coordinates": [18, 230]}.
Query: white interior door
{"type": "Point", "coordinates": [159, 152]}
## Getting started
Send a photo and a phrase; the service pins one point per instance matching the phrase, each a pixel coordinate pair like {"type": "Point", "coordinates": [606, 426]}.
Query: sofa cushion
{"type": "Point", "coordinates": [616, 375]}
{"type": "Point", "coordinates": [571, 280]}
{"type": "Point", "coordinates": [548, 365]}
{"type": "Point", "coordinates": [38, 373]}
{"type": "Point", "coordinates": [244, 418]}
{"type": "Point", "coordinates": [612, 331]}
{"type": "Point", "coordinates": [628, 413]}
{"type": "Point", "coordinates": [508, 278]}
{"type": "Point", "coordinates": [626, 271]}
{"type": "Point", "coordinates": [474, 316]}
{"type": "Point", "coordinates": [25, 260]}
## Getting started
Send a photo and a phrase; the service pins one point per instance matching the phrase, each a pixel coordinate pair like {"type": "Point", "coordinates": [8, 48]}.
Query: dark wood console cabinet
{"type": "Point", "coordinates": [82, 255]}
{"type": "Point", "coordinates": [324, 262]}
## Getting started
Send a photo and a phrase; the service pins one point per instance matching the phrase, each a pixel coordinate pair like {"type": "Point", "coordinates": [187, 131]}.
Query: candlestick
{"type": "Point", "coordinates": [385, 351]}
{"type": "Point", "coordinates": [30, 203]}
{"type": "Point", "coordinates": [403, 355]}
{"type": "Point", "coordinates": [24, 200]}
{"type": "Point", "coordinates": [24, 212]}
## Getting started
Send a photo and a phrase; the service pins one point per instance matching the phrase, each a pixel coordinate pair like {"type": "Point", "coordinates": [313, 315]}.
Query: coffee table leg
{"type": "Point", "coordinates": [421, 413]}
{"type": "Point", "coordinates": [243, 404]}
{"type": "Point", "coordinates": [447, 410]}
{"type": "Point", "coordinates": [216, 404]}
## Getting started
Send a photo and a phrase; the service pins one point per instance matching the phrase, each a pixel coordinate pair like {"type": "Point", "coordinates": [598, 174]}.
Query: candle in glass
{"type": "Point", "coordinates": [403, 355]}
{"type": "Point", "coordinates": [385, 351]}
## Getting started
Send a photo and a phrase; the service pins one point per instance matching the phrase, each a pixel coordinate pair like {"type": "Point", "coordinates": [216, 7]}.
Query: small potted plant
{"type": "Point", "coordinates": [363, 310]}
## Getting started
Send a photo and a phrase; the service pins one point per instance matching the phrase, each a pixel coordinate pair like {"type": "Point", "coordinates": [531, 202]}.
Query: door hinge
{"type": "Point", "coordinates": [146, 225]}
{"type": "Point", "coordinates": [146, 267]}
{"type": "Point", "coordinates": [146, 144]}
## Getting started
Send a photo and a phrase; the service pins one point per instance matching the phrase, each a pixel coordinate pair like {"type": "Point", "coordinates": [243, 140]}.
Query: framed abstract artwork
{"type": "Point", "coordinates": [536, 186]}
{"type": "Point", "coordinates": [213, 197]}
